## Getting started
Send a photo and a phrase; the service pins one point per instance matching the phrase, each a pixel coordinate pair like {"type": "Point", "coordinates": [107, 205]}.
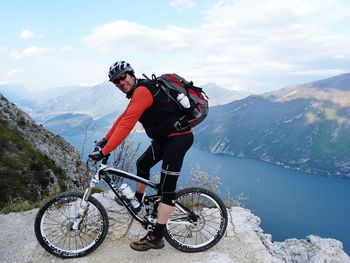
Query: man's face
{"type": "Point", "coordinates": [125, 83]}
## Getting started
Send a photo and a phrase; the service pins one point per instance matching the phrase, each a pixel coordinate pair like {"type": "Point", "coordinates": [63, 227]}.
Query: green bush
{"type": "Point", "coordinates": [25, 205]}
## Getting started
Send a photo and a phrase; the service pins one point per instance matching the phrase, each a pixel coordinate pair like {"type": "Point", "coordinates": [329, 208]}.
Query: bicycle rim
{"type": "Point", "coordinates": [205, 229]}
{"type": "Point", "coordinates": [55, 227]}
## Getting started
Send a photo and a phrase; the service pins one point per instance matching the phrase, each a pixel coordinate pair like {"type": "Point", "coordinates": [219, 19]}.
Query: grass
{"type": "Point", "coordinates": [25, 205]}
{"type": "Point", "coordinates": [18, 206]}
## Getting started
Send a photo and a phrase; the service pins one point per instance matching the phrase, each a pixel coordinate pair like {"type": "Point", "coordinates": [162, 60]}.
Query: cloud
{"type": "Point", "coordinates": [14, 73]}
{"type": "Point", "coordinates": [275, 39]}
{"type": "Point", "coordinates": [272, 41]}
{"type": "Point", "coordinates": [27, 34]}
{"type": "Point", "coordinates": [67, 48]}
{"type": "Point", "coordinates": [131, 36]}
{"type": "Point", "coordinates": [35, 51]}
{"type": "Point", "coordinates": [182, 4]}
{"type": "Point", "coordinates": [31, 52]}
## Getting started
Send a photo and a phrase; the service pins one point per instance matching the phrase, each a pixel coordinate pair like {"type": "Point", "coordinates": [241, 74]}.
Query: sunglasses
{"type": "Point", "coordinates": [118, 80]}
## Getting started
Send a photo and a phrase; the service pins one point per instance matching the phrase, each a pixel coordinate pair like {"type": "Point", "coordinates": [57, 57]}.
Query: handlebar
{"type": "Point", "coordinates": [92, 165]}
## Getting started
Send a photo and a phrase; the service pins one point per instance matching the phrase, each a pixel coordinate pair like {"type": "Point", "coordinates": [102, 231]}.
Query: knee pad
{"type": "Point", "coordinates": [168, 181]}
{"type": "Point", "coordinates": [168, 198]}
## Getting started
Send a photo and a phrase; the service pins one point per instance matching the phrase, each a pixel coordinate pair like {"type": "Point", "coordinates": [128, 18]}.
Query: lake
{"type": "Point", "coordinates": [291, 204]}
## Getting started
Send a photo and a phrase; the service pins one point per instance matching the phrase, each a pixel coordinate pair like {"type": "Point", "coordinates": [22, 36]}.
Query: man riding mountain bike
{"type": "Point", "coordinates": [160, 117]}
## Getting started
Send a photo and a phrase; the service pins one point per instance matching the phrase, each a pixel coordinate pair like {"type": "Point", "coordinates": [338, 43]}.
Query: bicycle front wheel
{"type": "Point", "coordinates": [198, 222]}
{"type": "Point", "coordinates": [53, 226]}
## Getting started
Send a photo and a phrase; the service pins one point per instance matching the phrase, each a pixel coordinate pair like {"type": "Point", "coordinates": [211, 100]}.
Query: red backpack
{"type": "Point", "coordinates": [199, 105]}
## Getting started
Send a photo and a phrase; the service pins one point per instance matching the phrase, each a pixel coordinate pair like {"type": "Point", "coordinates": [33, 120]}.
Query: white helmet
{"type": "Point", "coordinates": [118, 69]}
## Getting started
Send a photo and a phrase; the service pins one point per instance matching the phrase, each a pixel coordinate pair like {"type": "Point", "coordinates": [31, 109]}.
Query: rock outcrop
{"type": "Point", "coordinates": [244, 241]}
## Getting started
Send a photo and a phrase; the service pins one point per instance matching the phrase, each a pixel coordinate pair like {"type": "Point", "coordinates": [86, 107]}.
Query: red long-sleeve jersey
{"type": "Point", "coordinates": [141, 100]}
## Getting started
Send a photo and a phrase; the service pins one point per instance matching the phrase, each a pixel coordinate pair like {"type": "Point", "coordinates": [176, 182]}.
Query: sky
{"type": "Point", "coordinates": [253, 46]}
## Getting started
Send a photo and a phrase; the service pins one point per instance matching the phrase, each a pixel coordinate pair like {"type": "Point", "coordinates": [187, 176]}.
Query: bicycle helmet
{"type": "Point", "coordinates": [118, 69]}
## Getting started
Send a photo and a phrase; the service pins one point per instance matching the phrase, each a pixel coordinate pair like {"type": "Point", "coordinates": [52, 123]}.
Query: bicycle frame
{"type": "Point", "coordinates": [120, 173]}
{"type": "Point", "coordinates": [103, 173]}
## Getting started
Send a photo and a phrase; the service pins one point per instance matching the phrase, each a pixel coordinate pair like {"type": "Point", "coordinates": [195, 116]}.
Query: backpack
{"type": "Point", "coordinates": [173, 85]}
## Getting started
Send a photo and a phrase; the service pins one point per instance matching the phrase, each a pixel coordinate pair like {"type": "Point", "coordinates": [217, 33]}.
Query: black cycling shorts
{"type": "Point", "coordinates": [172, 151]}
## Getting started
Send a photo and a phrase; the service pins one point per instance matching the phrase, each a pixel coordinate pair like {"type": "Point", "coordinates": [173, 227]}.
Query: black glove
{"type": "Point", "coordinates": [97, 155]}
{"type": "Point", "coordinates": [101, 143]}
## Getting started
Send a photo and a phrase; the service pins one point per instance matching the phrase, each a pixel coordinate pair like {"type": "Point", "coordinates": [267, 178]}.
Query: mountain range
{"type": "Point", "coordinates": [69, 110]}
{"type": "Point", "coordinates": [304, 127]}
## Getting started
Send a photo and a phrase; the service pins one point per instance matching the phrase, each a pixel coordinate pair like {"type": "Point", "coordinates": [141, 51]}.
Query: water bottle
{"type": "Point", "coordinates": [126, 191]}
{"type": "Point", "coordinates": [184, 101]}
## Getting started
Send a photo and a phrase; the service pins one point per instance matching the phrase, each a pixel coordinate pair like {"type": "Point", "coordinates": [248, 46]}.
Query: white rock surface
{"type": "Point", "coordinates": [244, 242]}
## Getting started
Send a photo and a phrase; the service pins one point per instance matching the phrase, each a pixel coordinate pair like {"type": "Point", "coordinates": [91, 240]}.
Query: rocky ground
{"type": "Point", "coordinates": [244, 241]}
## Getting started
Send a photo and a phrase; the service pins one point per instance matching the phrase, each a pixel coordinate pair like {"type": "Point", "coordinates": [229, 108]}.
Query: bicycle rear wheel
{"type": "Point", "coordinates": [198, 222]}
{"type": "Point", "coordinates": [53, 226]}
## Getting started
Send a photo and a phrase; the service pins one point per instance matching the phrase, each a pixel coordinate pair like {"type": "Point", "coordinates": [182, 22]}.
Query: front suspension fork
{"type": "Point", "coordinates": [84, 205]}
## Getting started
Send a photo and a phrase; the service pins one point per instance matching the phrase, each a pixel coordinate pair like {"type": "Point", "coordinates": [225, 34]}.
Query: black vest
{"type": "Point", "coordinates": [159, 119]}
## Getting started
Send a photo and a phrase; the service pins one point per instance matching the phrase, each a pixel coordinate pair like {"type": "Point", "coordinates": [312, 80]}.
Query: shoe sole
{"type": "Point", "coordinates": [140, 250]}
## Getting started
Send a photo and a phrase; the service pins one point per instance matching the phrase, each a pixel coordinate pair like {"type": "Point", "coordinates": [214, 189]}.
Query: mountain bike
{"type": "Point", "coordinates": [73, 224]}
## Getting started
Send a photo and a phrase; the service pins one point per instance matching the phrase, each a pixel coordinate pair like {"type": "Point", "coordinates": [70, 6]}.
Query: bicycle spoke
{"type": "Point", "coordinates": [213, 228]}
{"type": "Point", "coordinates": [83, 239]}
{"type": "Point", "coordinates": [53, 224]}
{"type": "Point", "coordinates": [202, 234]}
{"type": "Point", "coordinates": [62, 212]}
{"type": "Point", "coordinates": [76, 243]}
{"type": "Point", "coordinates": [206, 233]}
{"type": "Point", "coordinates": [185, 235]}
{"type": "Point", "coordinates": [54, 233]}
{"type": "Point", "coordinates": [176, 226]}
{"type": "Point", "coordinates": [56, 238]}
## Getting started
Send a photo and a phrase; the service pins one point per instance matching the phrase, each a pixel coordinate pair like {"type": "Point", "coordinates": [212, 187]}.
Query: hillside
{"type": "Point", "coordinates": [25, 173]}
{"type": "Point", "coordinates": [34, 161]}
{"type": "Point", "coordinates": [305, 127]}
